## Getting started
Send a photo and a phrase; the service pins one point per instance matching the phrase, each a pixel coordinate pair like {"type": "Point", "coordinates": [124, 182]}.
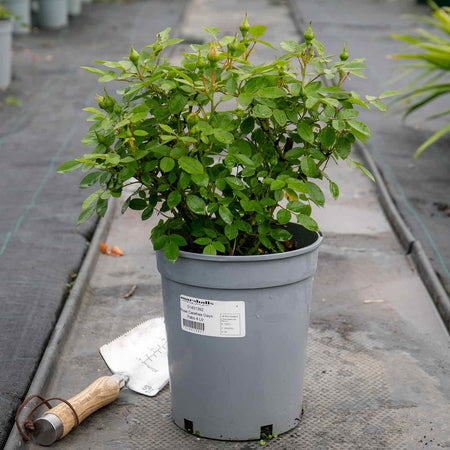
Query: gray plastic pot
{"type": "Point", "coordinates": [21, 9]}
{"type": "Point", "coordinates": [6, 29]}
{"type": "Point", "coordinates": [53, 14]}
{"type": "Point", "coordinates": [75, 7]}
{"type": "Point", "coordinates": [236, 334]}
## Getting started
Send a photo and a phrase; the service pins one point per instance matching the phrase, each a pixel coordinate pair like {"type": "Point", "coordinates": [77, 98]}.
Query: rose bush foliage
{"type": "Point", "coordinates": [225, 150]}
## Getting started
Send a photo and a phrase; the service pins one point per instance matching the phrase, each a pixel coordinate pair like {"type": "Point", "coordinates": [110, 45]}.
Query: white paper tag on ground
{"type": "Point", "coordinates": [216, 318]}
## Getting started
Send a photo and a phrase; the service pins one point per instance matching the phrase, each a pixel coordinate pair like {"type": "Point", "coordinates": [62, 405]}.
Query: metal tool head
{"type": "Point", "coordinates": [141, 353]}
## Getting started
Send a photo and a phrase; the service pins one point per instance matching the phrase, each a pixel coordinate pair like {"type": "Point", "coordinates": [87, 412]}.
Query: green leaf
{"type": "Point", "coordinates": [360, 127]}
{"type": "Point", "coordinates": [176, 104]}
{"type": "Point", "coordinates": [201, 179]}
{"type": "Point", "coordinates": [138, 204]}
{"type": "Point", "coordinates": [431, 140]}
{"type": "Point", "coordinates": [257, 31]}
{"type": "Point", "coordinates": [367, 173]}
{"type": "Point", "coordinates": [305, 132]}
{"type": "Point", "coordinates": [223, 136]}
{"type": "Point", "coordinates": [280, 116]}
{"type": "Point", "coordinates": [190, 165]}
{"type": "Point", "coordinates": [315, 193]}
{"type": "Point", "coordinates": [203, 241]}
{"type": "Point", "coordinates": [291, 46]}
{"type": "Point", "coordinates": [196, 204]}
{"type": "Point", "coordinates": [297, 207]}
{"type": "Point", "coordinates": [147, 213]}
{"type": "Point", "coordinates": [271, 92]}
{"type": "Point", "coordinates": [171, 251]}
{"type": "Point", "coordinates": [334, 189]}
{"type": "Point", "coordinates": [262, 111]}
{"type": "Point", "coordinates": [327, 137]}
{"type": "Point", "coordinates": [297, 185]}
{"type": "Point", "coordinates": [277, 184]}
{"type": "Point", "coordinates": [93, 70]}
{"type": "Point", "coordinates": [226, 215]}
{"type": "Point", "coordinates": [178, 239]}
{"type": "Point", "coordinates": [219, 246]}
{"type": "Point", "coordinates": [69, 166]}
{"type": "Point", "coordinates": [212, 30]}
{"type": "Point", "coordinates": [280, 234]}
{"type": "Point", "coordinates": [210, 250]}
{"type": "Point", "coordinates": [90, 179]}
{"type": "Point", "coordinates": [173, 199]}
{"type": "Point", "coordinates": [245, 99]}
{"type": "Point", "coordinates": [309, 167]}
{"type": "Point", "coordinates": [235, 183]}
{"type": "Point", "coordinates": [92, 199]}
{"type": "Point", "coordinates": [86, 214]}
{"type": "Point", "coordinates": [167, 164]}
{"type": "Point", "coordinates": [389, 94]}
{"type": "Point", "coordinates": [283, 216]}
{"type": "Point", "coordinates": [307, 222]}
{"type": "Point", "coordinates": [231, 231]}
{"type": "Point", "coordinates": [379, 105]}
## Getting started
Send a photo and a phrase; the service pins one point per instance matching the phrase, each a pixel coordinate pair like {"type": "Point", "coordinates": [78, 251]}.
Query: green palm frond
{"type": "Point", "coordinates": [431, 60]}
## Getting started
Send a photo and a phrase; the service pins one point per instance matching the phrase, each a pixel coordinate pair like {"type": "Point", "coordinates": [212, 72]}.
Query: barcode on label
{"type": "Point", "coordinates": [194, 325]}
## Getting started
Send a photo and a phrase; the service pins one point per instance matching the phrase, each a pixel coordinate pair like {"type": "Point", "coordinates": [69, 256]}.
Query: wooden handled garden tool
{"type": "Point", "coordinates": [137, 359]}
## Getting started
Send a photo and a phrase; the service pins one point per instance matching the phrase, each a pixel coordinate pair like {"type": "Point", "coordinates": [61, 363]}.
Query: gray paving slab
{"type": "Point", "coordinates": [378, 353]}
{"type": "Point", "coordinates": [40, 245]}
{"type": "Point", "coordinates": [421, 190]}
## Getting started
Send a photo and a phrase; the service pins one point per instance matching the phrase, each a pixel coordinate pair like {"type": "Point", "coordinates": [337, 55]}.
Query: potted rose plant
{"type": "Point", "coordinates": [22, 10]}
{"type": "Point", "coordinates": [6, 29]}
{"type": "Point", "coordinates": [231, 156]}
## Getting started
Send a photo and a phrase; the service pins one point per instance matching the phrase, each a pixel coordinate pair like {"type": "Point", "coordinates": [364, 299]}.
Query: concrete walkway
{"type": "Point", "coordinates": [378, 353]}
{"type": "Point", "coordinates": [420, 189]}
{"type": "Point", "coordinates": [41, 249]}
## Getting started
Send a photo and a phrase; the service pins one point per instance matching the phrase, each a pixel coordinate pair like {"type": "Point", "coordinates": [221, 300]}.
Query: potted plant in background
{"type": "Point", "coordinates": [6, 29]}
{"type": "Point", "coordinates": [431, 63]}
{"type": "Point", "coordinates": [53, 14]}
{"type": "Point", "coordinates": [22, 12]}
{"type": "Point", "coordinates": [231, 156]}
{"type": "Point", "coordinates": [75, 7]}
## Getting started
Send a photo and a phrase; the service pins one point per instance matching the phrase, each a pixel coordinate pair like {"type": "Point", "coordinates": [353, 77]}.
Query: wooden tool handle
{"type": "Point", "coordinates": [101, 392]}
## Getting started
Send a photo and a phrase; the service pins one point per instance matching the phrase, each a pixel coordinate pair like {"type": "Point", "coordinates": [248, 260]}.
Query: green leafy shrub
{"type": "Point", "coordinates": [5, 14]}
{"type": "Point", "coordinates": [432, 66]}
{"type": "Point", "coordinates": [227, 152]}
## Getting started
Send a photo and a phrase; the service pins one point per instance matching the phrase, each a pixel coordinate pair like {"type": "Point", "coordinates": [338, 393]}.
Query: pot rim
{"type": "Point", "coordinates": [271, 256]}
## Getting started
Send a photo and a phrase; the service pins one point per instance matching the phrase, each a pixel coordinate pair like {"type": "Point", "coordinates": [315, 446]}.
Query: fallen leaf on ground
{"type": "Point", "coordinates": [380, 300]}
{"type": "Point", "coordinates": [111, 251]}
{"type": "Point", "coordinates": [115, 251]}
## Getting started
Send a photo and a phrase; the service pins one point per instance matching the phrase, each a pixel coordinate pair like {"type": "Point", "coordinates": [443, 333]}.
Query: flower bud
{"type": "Point", "coordinates": [192, 119]}
{"type": "Point", "coordinates": [244, 26]}
{"type": "Point", "coordinates": [213, 55]}
{"type": "Point", "coordinates": [344, 54]}
{"type": "Point", "coordinates": [201, 63]}
{"type": "Point", "coordinates": [133, 56]}
{"type": "Point", "coordinates": [308, 35]}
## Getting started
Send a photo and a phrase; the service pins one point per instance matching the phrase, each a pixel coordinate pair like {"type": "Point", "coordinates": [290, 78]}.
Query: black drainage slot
{"type": "Point", "coordinates": [189, 426]}
{"type": "Point", "coordinates": [266, 431]}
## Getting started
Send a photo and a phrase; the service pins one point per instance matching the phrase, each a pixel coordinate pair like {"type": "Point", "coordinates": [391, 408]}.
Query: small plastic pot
{"type": "Point", "coordinates": [53, 14]}
{"type": "Point", "coordinates": [6, 29]}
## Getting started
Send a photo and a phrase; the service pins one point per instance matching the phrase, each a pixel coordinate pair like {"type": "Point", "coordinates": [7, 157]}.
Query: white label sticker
{"type": "Point", "coordinates": [212, 317]}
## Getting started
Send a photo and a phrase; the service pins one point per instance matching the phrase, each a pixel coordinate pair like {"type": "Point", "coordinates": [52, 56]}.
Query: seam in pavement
{"type": "Point", "coordinates": [65, 321]}
{"type": "Point", "coordinates": [71, 306]}
{"type": "Point", "coordinates": [412, 245]}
